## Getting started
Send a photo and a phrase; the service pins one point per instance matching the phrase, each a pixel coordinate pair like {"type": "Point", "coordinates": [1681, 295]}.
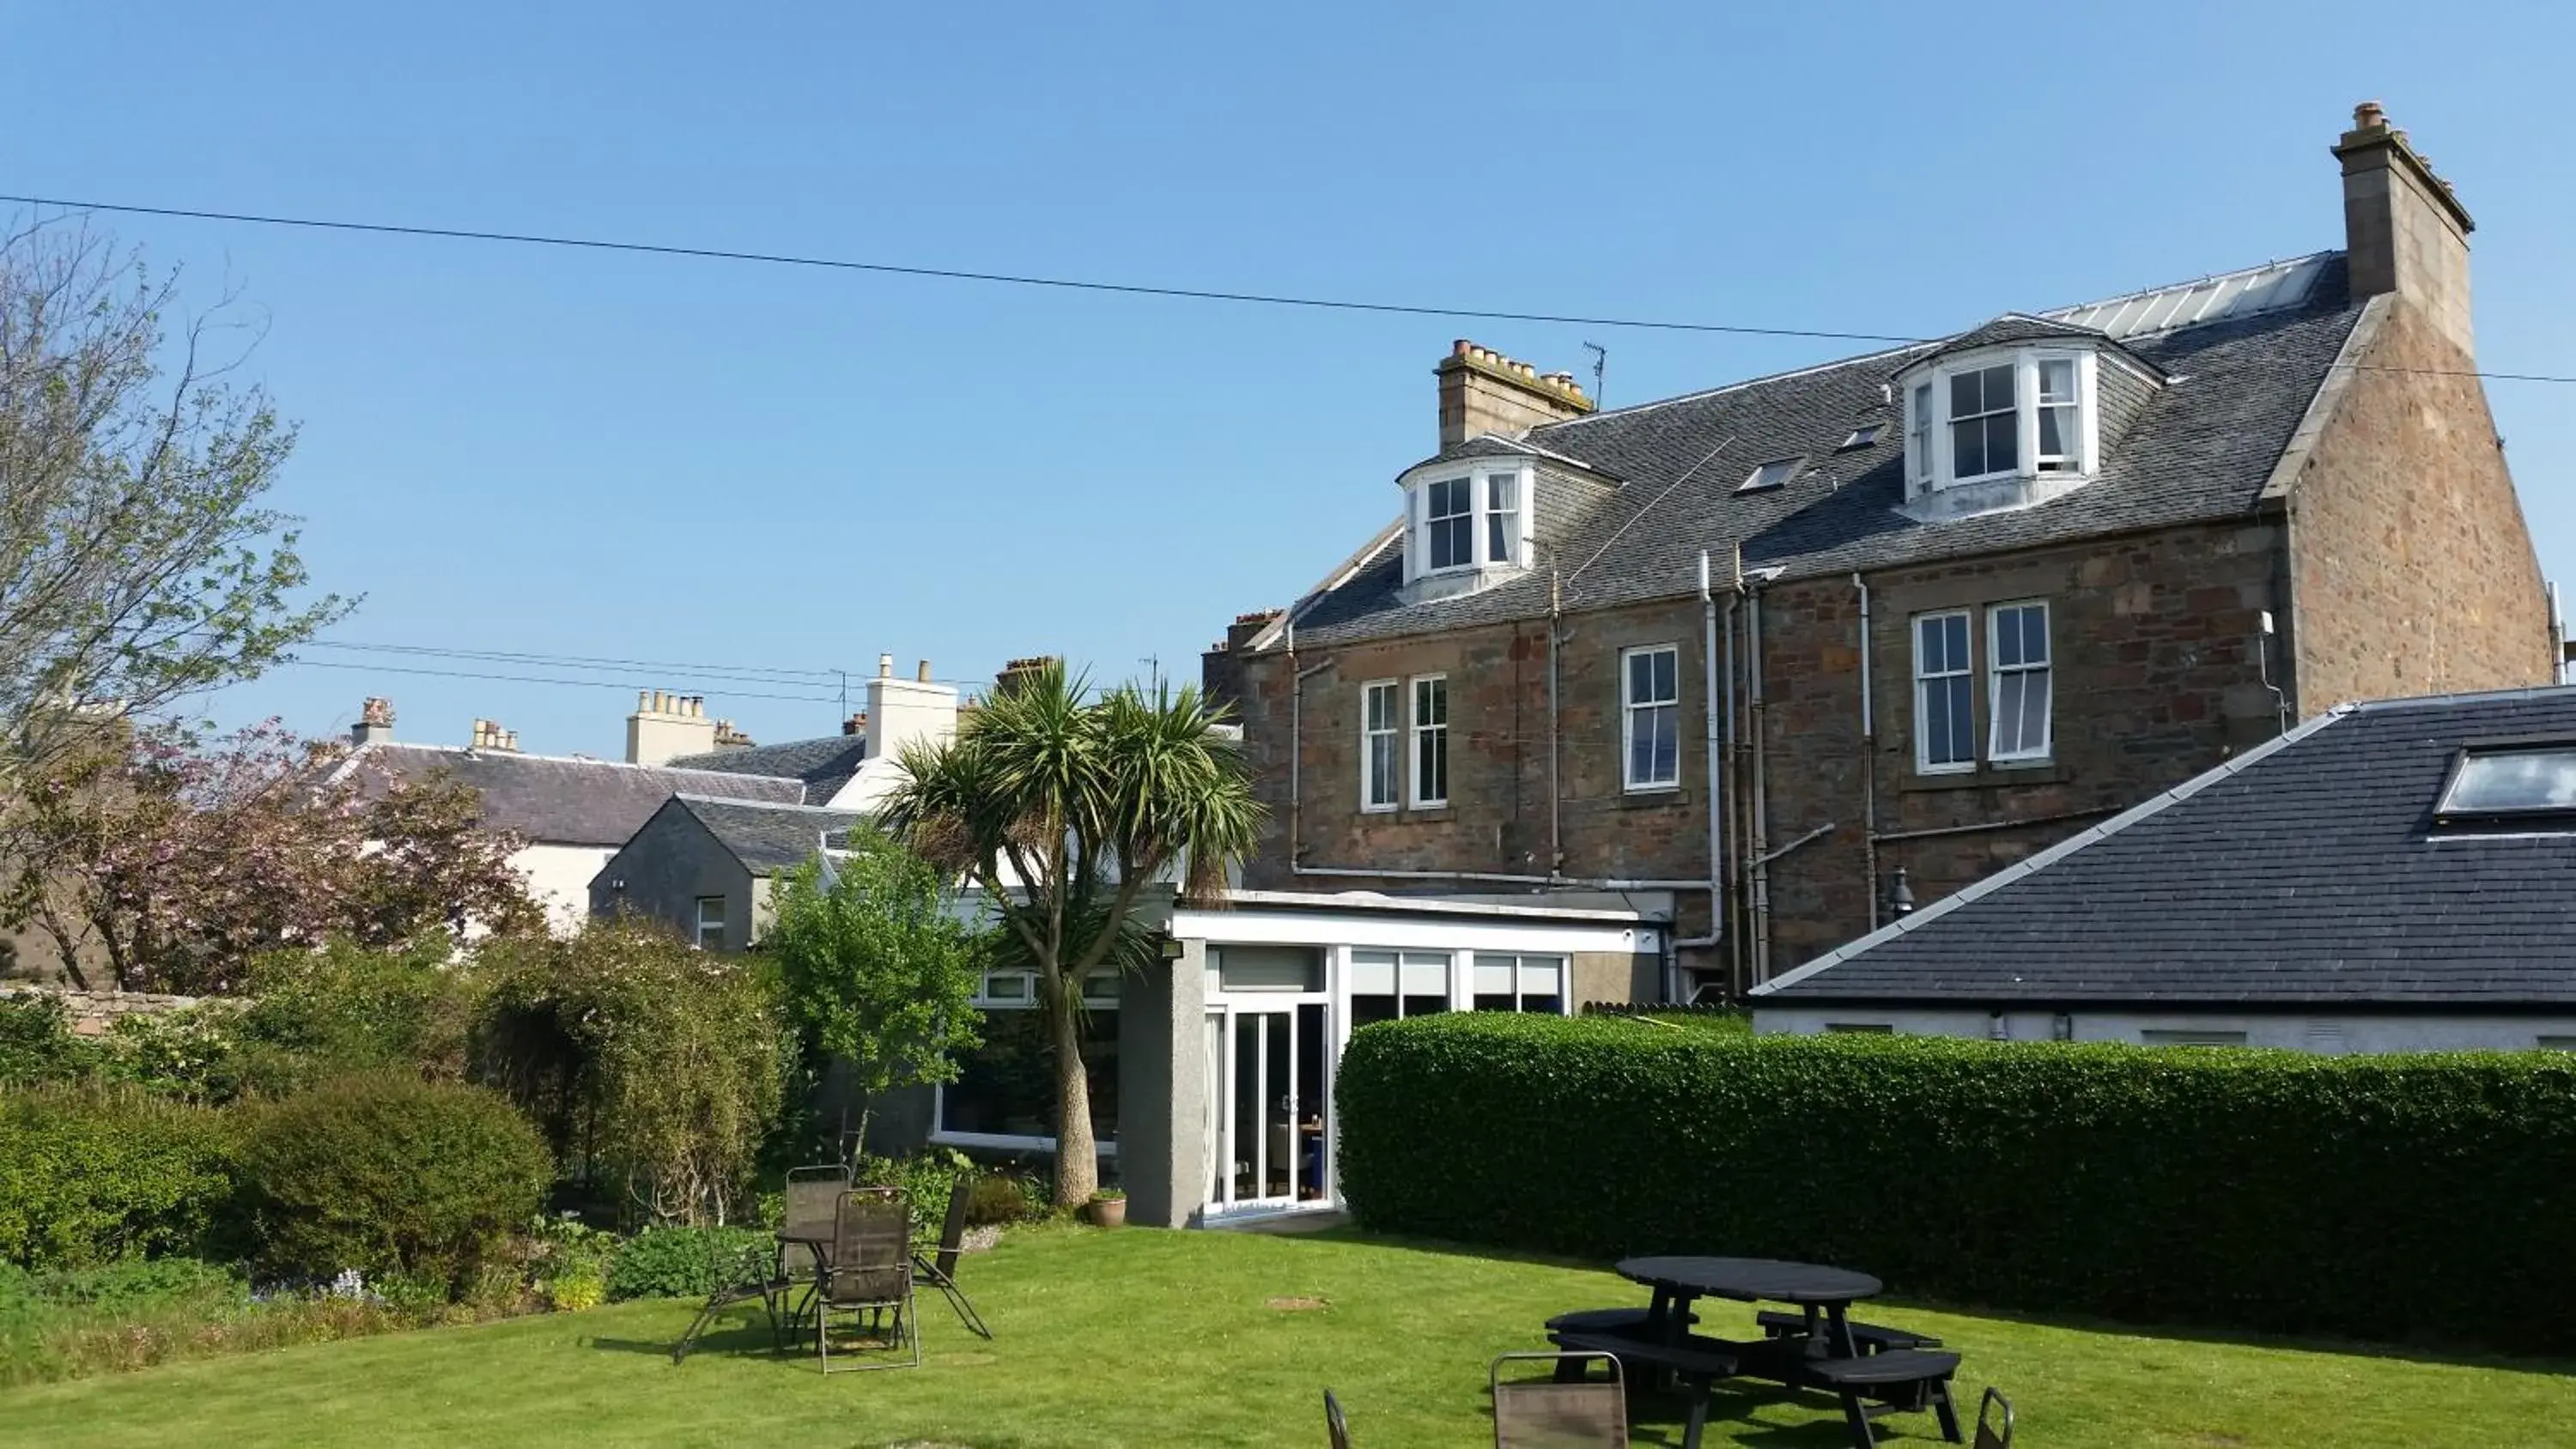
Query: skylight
{"type": "Point", "coordinates": [2500, 782]}
{"type": "Point", "coordinates": [1861, 437]}
{"type": "Point", "coordinates": [1770, 475]}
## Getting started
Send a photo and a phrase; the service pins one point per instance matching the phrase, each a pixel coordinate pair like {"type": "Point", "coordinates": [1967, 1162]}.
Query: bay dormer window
{"type": "Point", "coordinates": [1998, 428]}
{"type": "Point", "coordinates": [1468, 525]}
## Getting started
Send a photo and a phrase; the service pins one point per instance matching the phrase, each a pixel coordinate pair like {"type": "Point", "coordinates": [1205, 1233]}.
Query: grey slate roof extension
{"type": "Point", "coordinates": [824, 764]}
{"type": "Point", "coordinates": [2307, 872]}
{"type": "Point", "coordinates": [768, 838]}
{"type": "Point", "coordinates": [2199, 448]}
{"type": "Point", "coordinates": [553, 800]}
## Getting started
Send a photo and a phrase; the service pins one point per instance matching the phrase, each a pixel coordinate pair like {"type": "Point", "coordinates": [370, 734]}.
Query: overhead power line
{"type": "Point", "coordinates": [740, 673]}
{"type": "Point", "coordinates": [527, 679]}
{"type": "Point", "coordinates": [949, 274]}
{"type": "Point", "coordinates": [1073, 284]}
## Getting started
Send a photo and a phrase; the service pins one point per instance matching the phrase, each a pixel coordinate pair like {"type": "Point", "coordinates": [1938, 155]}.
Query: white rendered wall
{"type": "Point", "coordinates": [559, 876]}
{"type": "Point", "coordinates": [2326, 1032]}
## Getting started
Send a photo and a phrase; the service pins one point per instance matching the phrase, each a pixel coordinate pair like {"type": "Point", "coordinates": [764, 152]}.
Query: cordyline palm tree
{"type": "Point", "coordinates": [1064, 809]}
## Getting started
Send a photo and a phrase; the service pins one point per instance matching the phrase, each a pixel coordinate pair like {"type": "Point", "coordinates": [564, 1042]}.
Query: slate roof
{"type": "Point", "coordinates": [2201, 447]}
{"type": "Point", "coordinates": [2307, 872]}
{"type": "Point", "coordinates": [824, 764]}
{"type": "Point", "coordinates": [554, 800]}
{"type": "Point", "coordinates": [767, 838]}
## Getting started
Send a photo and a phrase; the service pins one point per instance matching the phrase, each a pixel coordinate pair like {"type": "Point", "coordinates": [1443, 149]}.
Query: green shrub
{"type": "Point", "coordinates": [1004, 1197]}
{"type": "Point", "coordinates": [2371, 1196]}
{"type": "Point", "coordinates": [677, 1262]}
{"type": "Point", "coordinates": [388, 1174]}
{"type": "Point", "coordinates": [91, 1174]}
{"type": "Point", "coordinates": [345, 1008]}
{"type": "Point", "coordinates": [37, 1043]}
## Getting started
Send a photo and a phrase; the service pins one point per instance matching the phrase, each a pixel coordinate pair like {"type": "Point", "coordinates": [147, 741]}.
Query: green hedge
{"type": "Point", "coordinates": [388, 1174]}
{"type": "Point", "coordinates": [89, 1175]}
{"type": "Point", "coordinates": [2378, 1197]}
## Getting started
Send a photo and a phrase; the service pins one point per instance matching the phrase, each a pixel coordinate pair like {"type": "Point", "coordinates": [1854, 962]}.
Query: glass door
{"type": "Point", "coordinates": [1267, 1105]}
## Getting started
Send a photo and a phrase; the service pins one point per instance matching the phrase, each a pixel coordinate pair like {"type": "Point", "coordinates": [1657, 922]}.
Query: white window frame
{"type": "Point", "coordinates": [1631, 708]}
{"type": "Point", "coordinates": [1996, 670]}
{"type": "Point", "coordinates": [1920, 423]}
{"type": "Point", "coordinates": [1418, 732]}
{"type": "Point", "coordinates": [1497, 518]}
{"type": "Point", "coordinates": [1466, 484]}
{"type": "Point", "coordinates": [1951, 419]}
{"type": "Point", "coordinates": [719, 924]}
{"type": "Point", "coordinates": [1930, 455]}
{"type": "Point", "coordinates": [1484, 513]}
{"type": "Point", "coordinates": [1518, 963]}
{"type": "Point", "coordinates": [1966, 669]}
{"type": "Point", "coordinates": [1391, 736]}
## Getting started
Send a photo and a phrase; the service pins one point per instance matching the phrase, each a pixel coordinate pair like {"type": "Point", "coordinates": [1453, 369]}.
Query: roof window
{"type": "Point", "coordinates": [2511, 782]}
{"type": "Point", "coordinates": [1861, 437]}
{"type": "Point", "coordinates": [1770, 475]}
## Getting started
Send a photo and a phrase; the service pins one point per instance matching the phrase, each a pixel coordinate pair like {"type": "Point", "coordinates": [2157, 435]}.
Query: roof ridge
{"type": "Point", "coordinates": [739, 802]}
{"type": "Point", "coordinates": [2151, 806]}
{"type": "Point", "coordinates": [1769, 377]}
{"type": "Point", "coordinates": [2481, 696]}
{"type": "Point", "coordinates": [566, 760]}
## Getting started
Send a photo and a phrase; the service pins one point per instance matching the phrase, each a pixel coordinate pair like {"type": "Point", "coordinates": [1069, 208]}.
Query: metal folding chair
{"type": "Point", "coordinates": [1990, 1436]}
{"type": "Point", "coordinates": [1563, 1410]}
{"type": "Point", "coordinates": [869, 1274]}
{"type": "Point", "coordinates": [738, 1274]}
{"type": "Point", "coordinates": [940, 1272]}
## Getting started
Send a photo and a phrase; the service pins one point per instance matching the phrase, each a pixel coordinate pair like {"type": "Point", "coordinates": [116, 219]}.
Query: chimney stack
{"type": "Point", "coordinates": [488, 735]}
{"type": "Point", "coordinates": [856, 724]}
{"type": "Point", "coordinates": [2404, 228]}
{"type": "Point", "coordinates": [375, 722]}
{"type": "Point", "coordinates": [1482, 391]}
{"type": "Point", "coordinates": [666, 726]}
{"type": "Point", "coordinates": [904, 711]}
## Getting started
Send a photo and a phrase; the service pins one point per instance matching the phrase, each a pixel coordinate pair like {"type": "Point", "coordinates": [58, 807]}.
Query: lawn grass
{"type": "Point", "coordinates": [1160, 1338]}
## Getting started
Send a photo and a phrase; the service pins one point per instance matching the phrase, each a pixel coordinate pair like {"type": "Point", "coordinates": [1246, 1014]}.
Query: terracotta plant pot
{"type": "Point", "coordinates": [1106, 1212]}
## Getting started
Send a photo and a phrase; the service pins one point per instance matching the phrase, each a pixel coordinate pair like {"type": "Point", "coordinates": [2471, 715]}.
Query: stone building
{"type": "Point", "coordinates": [1791, 653]}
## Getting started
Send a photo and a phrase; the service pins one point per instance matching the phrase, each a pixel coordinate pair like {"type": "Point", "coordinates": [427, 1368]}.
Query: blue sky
{"type": "Point", "coordinates": [570, 453]}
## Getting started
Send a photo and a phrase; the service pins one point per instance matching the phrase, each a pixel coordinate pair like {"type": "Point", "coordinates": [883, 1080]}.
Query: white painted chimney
{"type": "Point", "coordinates": [906, 711]}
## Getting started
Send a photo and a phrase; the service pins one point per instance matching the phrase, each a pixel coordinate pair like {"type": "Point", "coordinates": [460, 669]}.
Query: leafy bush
{"type": "Point", "coordinates": [655, 1069]}
{"type": "Point", "coordinates": [2372, 1196]}
{"type": "Point", "coordinates": [926, 1180]}
{"type": "Point", "coordinates": [571, 1261]}
{"type": "Point", "coordinates": [91, 1174]}
{"type": "Point", "coordinates": [682, 1262]}
{"type": "Point", "coordinates": [345, 1008]}
{"type": "Point", "coordinates": [1005, 1197]}
{"type": "Point", "coordinates": [388, 1174]}
{"type": "Point", "coordinates": [37, 1043]}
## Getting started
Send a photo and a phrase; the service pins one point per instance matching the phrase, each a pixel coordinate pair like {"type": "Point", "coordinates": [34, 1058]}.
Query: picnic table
{"type": "Point", "coordinates": [1818, 1346]}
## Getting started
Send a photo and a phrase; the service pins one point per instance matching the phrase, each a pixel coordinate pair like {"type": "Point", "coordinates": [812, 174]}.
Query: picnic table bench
{"type": "Point", "coordinates": [1873, 1369]}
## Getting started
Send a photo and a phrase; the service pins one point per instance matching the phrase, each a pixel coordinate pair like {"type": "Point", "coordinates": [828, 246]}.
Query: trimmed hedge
{"type": "Point", "coordinates": [89, 1175]}
{"type": "Point", "coordinates": [2375, 1197]}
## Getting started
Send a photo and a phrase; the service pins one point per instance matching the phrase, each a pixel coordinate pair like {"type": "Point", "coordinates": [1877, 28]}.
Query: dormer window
{"type": "Point", "coordinates": [1998, 428]}
{"type": "Point", "coordinates": [1469, 522]}
{"type": "Point", "coordinates": [1449, 523]}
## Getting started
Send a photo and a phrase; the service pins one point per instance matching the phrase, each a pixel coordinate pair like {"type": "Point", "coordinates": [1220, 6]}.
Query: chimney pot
{"type": "Point", "coordinates": [643, 700]}
{"type": "Point", "coordinates": [922, 673]}
{"type": "Point", "coordinates": [2369, 115]}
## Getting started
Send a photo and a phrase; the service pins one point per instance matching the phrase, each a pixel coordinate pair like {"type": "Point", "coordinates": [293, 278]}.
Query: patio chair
{"type": "Point", "coordinates": [870, 1276]}
{"type": "Point", "coordinates": [1988, 1435]}
{"type": "Point", "coordinates": [1333, 1424]}
{"type": "Point", "coordinates": [1562, 1411]}
{"type": "Point", "coordinates": [812, 1199]}
{"type": "Point", "coordinates": [738, 1273]}
{"type": "Point", "coordinates": [940, 1272]}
